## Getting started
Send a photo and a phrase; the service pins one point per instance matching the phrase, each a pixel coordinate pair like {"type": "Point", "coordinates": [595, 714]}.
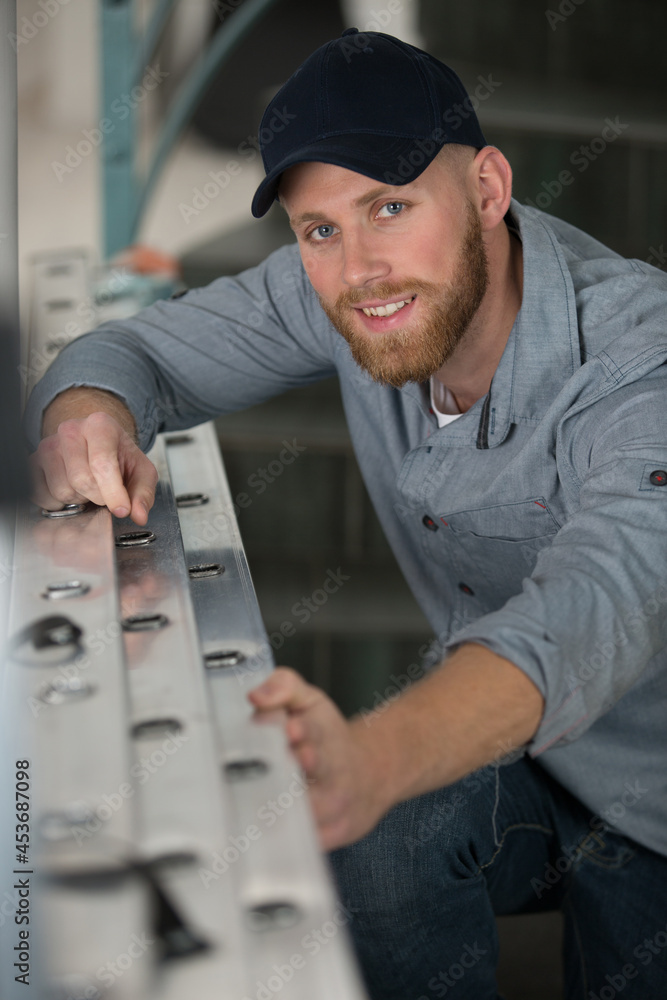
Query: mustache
{"type": "Point", "coordinates": [386, 290]}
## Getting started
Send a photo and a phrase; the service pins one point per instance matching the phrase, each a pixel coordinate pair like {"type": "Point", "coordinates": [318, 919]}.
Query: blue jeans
{"type": "Point", "coordinates": [424, 887]}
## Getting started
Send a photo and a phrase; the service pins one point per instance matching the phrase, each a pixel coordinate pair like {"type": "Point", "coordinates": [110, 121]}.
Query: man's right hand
{"type": "Point", "coordinates": [92, 457]}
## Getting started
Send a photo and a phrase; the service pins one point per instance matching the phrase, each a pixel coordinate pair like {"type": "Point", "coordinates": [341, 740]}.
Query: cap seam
{"type": "Point", "coordinates": [324, 90]}
{"type": "Point", "coordinates": [427, 83]}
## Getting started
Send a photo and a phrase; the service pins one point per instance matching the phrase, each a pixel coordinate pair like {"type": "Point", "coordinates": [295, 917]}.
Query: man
{"type": "Point", "coordinates": [504, 380]}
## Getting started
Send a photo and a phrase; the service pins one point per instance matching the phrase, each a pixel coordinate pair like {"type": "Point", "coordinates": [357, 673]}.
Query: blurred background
{"type": "Point", "coordinates": [574, 95]}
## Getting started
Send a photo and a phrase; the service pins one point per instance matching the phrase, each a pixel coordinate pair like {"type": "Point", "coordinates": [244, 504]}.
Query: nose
{"type": "Point", "coordinates": [363, 263]}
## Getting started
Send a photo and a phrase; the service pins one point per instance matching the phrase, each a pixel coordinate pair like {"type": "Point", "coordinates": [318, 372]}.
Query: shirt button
{"type": "Point", "coordinates": [659, 477]}
{"type": "Point", "coordinates": [429, 523]}
{"type": "Point", "coordinates": [466, 589]}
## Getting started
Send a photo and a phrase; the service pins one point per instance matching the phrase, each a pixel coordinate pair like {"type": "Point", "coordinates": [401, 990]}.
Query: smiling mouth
{"type": "Point", "coordinates": [389, 309]}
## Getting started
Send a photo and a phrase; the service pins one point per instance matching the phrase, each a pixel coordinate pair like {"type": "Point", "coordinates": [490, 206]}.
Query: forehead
{"type": "Point", "coordinates": [310, 187]}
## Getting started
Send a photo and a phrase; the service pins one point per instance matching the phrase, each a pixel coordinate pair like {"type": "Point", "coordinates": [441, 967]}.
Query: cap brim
{"type": "Point", "coordinates": [397, 161]}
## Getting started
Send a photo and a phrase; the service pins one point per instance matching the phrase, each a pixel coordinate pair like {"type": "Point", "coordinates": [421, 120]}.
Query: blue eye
{"type": "Point", "coordinates": [322, 232]}
{"type": "Point", "coordinates": [393, 207]}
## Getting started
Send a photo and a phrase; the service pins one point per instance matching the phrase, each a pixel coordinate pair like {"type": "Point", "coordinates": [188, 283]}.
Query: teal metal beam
{"type": "Point", "coordinates": [119, 183]}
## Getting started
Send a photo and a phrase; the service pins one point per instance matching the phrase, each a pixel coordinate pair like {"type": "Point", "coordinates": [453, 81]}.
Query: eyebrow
{"type": "Point", "coordinates": [365, 199]}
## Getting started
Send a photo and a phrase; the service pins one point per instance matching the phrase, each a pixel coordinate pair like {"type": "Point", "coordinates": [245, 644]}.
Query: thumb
{"type": "Point", "coordinates": [286, 689]}
{"type": "Point", "coordinates": [140, 484]}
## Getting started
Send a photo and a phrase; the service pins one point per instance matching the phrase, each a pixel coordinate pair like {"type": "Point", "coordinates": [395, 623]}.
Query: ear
{"type": "Point", "coordinates": [491, 177]}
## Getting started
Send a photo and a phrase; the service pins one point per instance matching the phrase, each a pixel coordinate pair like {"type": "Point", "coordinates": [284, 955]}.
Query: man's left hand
{"type": "Point", "coordinates": [336, 756]}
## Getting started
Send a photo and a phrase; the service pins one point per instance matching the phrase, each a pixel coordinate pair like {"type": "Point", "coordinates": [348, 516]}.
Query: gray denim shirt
{"type": "Point", "coordinates": [533, 524]}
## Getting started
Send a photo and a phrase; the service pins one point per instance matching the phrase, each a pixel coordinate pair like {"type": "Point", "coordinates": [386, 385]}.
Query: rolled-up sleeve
{"type": "Point", "coordinates": [592, 616]}
{"type": "Point", "coordinates": [233, 344]}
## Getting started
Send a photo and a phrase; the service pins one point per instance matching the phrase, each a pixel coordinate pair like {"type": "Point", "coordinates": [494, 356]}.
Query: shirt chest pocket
{"type": "Point", "coordinates": [497, 546]}
{"type": "Point", "coordinates": [524, 521]}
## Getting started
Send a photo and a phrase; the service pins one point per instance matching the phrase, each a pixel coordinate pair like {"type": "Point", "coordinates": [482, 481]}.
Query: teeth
{"type": "Point", "coordinates": [387, 310]}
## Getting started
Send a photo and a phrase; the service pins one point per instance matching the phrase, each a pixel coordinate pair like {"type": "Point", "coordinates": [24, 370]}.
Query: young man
{"type": "Point", "coordinates": [504, 380]}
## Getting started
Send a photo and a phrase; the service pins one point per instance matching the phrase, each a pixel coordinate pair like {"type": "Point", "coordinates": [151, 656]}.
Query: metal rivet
{"type": "Point", "coordinates": [156, 729]}
{"type": "Point", "coordinates": [273, 916]}
{"type": "Point", "coordinates": [222, 658]}
{"type": "Point", "coordinates": [65, 634]}
{"type": "Point", "coordinates": [144, 622]}
{"type": "Point", "coordinates": [179, 439]}
{"type": "Point", "coordinates": [67, 511]}
{"type": "Point", "coordinates": [70, 588]}
{"type": "Point", "coordinates": [49, 641]}
{"type": "Point", "coordinates": [55, 304]}
{"type": "Point", "coordinates": [176, 859]}
{"type": "Point", "coordinates": [65, 689]}
{"type": "Point", "coordinates": [203, 570]}
{"type": "Point", "coordinates": [61, 825]}
{"type": "Point", "coordinates": [242, 770]}
{"type": "Point", "coordinates": [132, 538]}
{"type": "Point", "coordinates": [191, 499]}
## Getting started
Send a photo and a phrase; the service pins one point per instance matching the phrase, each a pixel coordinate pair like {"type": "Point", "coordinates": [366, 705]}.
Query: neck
{"type": "Point", "coordinates": [468, 373]}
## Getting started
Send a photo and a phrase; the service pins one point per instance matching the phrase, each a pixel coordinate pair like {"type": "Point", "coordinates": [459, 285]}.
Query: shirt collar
{"type": "Point", "coordinates": [542, 350]}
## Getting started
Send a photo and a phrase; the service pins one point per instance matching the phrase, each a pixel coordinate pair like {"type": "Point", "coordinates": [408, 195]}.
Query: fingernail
{"type": "Point", "coordinates": [121, 512]}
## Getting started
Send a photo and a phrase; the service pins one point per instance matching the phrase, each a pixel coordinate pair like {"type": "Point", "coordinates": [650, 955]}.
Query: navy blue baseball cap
{"type": "Point", "coordinates": [368, 102]}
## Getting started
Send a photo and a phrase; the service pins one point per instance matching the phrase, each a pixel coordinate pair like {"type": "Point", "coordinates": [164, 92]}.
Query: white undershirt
{"type": "Point", "coordinates": [443, 403]}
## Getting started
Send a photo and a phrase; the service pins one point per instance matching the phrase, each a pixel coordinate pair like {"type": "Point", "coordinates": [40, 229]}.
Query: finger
{"type": "Point", "coordinates": [285, 688]}
{"type": "Point", "coordinates": [308, 760]}
{"type": "Point", "coordinates": [39, 492]}
{"type": "Point", "coordinates": [303, 730]}
{"type": "Point", "coordinates": [296, 730]}
{"type": "Point", "coordinates": [51, 488]}
{"type": "Point", "coordinates": [140, 480]}
{"type": "Point", "coordinates": [104, 443]}
{"type": "Point", "coordinates": [74, 451]}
